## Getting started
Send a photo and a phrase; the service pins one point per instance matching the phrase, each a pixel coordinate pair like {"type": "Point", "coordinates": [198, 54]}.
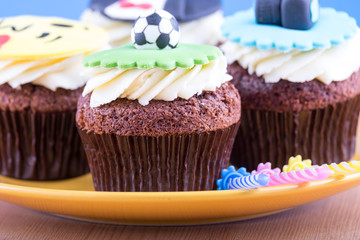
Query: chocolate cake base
{"type": "Point", "coordinates": [325, 135]}
{"type": "Point", "coordinates": [283, 119]}
{"type": "Point", "coordinates": [38, 135]}
{"type": "Point", "coordinates": [179, 145]}
{"type": "Point", "coordinates": [40, 146]}
{"type": "Point", "coordinates": [185, 162]}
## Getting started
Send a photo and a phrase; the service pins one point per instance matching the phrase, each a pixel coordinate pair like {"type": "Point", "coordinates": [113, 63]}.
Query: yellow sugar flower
{"type": "Point", "coordinates": [296, 163]}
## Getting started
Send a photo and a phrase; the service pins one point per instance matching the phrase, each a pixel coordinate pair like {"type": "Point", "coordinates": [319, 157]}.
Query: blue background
{"type": "Point", "coordinates": [73, 8]}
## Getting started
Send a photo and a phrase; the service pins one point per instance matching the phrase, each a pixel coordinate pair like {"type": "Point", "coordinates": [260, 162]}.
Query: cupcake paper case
{"type": "Point", "coordinates": [158, 120]}
{"type": "Point", "coordinates": [300, 89]}
{"type": "Point", "coordinates": [40, 62]}
{"type": "Point", "coordinates": [199, 20]}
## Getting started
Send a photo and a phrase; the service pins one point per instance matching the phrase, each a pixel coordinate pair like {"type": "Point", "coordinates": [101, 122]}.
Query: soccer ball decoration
{"type": "Point", "coordinates": [157, 30]}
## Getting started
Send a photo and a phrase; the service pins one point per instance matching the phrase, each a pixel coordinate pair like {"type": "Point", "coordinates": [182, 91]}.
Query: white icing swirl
{"type": "Point", "coordinates": [144, 85]}
{"type": "Point", "coordinates": [50, 73]}
{"type": "Point", "coordinates": [205, 30]}
{"type": "Point", "coordinates": [336, 63]}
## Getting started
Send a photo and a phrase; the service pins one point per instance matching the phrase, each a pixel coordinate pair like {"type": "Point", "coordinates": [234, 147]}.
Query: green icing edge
{"type": "Point", "coordinates": [127, 56]}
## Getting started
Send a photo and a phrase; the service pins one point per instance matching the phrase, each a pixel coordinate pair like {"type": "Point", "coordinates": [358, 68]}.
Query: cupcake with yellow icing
{"type": "Point", "coordinates": [157, 116]}
{"type": "Point", "coordinates": [300, 87]}
{"type": "Point", "coordinates": [40, 62]}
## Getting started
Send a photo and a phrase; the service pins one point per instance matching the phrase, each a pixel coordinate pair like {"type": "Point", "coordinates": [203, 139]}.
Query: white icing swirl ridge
{"type": "Point", "coordinates": [205, 30]}
{"type": "Point", "coordinates": [145, 85]}
{"type": "Point", "coordinates": [336, 63]}
{"type": "Point", "coordinates": [50, 73]}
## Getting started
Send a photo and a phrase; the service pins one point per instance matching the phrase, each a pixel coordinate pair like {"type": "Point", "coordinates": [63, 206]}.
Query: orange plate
{"type": "Point", "coordinates": [75, 198]}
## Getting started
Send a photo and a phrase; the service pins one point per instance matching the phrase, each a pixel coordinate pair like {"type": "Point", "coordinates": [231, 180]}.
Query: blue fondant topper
{"type": "Point", "coordinates": [332, 29]}
{"type": "Point", "coordinates": [130, 10]}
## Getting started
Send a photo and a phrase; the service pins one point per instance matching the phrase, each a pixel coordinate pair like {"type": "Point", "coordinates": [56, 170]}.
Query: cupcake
{"type": "Point", "coordinates": [199, 20]}
{"type": "Point", "coordinates": [157, 118]}
{"type": "Point", "coordinates": [40, 64]}
{"type": "Point", "coordinates": [299, 82]}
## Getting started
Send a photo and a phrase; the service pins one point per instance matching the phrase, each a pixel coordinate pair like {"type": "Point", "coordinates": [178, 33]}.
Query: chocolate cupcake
{"type": "Point", "coordinates": [300, 89]}
{"type": "Point", "coordinates": [40, 63]}
{"type": "Point", "coordinates": [157, 120]}
{"type": "Point", "coordinates": [199, 20]}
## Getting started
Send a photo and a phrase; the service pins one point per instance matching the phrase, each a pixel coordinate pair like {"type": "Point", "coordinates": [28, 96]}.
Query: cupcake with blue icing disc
{"type": "Point", "coordinates": [299, 80]}
{"type": "Point", "coordinates": [157, 115]}
{"type": "Point", "coordinates": [199, 20]}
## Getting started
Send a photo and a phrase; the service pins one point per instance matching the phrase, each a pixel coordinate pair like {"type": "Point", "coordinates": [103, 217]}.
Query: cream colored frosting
{"type": "Point", "coordinates": [205, 30]}
{"type": "Point", "coordinates": [50, 73]}
{"type": "Point", "coordinates": [144, 85]}
{"type": "Point", "coordinates": [336, 63]}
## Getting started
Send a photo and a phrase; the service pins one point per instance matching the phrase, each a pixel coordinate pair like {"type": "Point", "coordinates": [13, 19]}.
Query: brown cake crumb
{"type": "Point", "coordinates": [38, 98]}
{"type": "Point", "coordinates": [207, 112]}
{"type": "Point", "coordinates": [286, 96]}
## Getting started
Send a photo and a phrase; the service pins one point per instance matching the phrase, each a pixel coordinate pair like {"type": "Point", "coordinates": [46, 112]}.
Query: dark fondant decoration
{"type": "Point", "coordinates": [153, 19]}
{"type": "Point", "coordinates": [45, 34]}
{"type": "Point", "coordinates": [293, 14]}
{"type": "Point", "coordinates": [183, 10]}
{"type": "Point", "coordinates": [62, 25]}
{"type": "Point", "coordinates": [268, 12]}
{"type": "Point", "coordinates": [13, 28]}
{"type": "Point", "coordinates": [53, 40]}
{"type": "Point", "coordinates": [297, 14]}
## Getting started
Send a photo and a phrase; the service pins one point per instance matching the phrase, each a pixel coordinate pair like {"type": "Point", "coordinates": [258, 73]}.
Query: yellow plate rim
{"type": "Point", "coordinates": [173, 208]}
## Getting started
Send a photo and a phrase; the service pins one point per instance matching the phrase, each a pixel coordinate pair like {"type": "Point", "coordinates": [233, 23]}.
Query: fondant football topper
{"type": "Point", "coordinates": [293, 14]}
{"type": "Point", "coordinates": [155, 30]}
{"type": "Point", "coordinates": [129, 10]}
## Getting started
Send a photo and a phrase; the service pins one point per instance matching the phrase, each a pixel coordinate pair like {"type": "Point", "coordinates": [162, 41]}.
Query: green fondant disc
{"type": "Point", "coordinates": [127, 56]}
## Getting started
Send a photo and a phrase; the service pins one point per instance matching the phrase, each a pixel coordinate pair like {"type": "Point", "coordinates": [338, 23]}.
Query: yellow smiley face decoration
{"type": "Point", "coordinates": [30, 37]}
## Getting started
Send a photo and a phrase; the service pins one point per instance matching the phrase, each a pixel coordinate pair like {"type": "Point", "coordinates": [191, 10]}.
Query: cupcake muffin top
{"type": "Point", "coordinates": [281, 68]}
{"type": "Point", "coordinates": [199, 20]}
{"type": "Point", "coordinates": [156, 89]}
{"type": "Point", "coordinates": [45, 51]}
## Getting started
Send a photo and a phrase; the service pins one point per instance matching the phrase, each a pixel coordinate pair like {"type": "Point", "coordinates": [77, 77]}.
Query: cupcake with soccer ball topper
{"type": "Point", "coordinates": [40, 61]}
{"type": "Point", "coordinates": [296, 66]}
{"type": "Point", "coordinates": [157, 115]}
{"type": "Point", "coordinates": [199, 20]}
